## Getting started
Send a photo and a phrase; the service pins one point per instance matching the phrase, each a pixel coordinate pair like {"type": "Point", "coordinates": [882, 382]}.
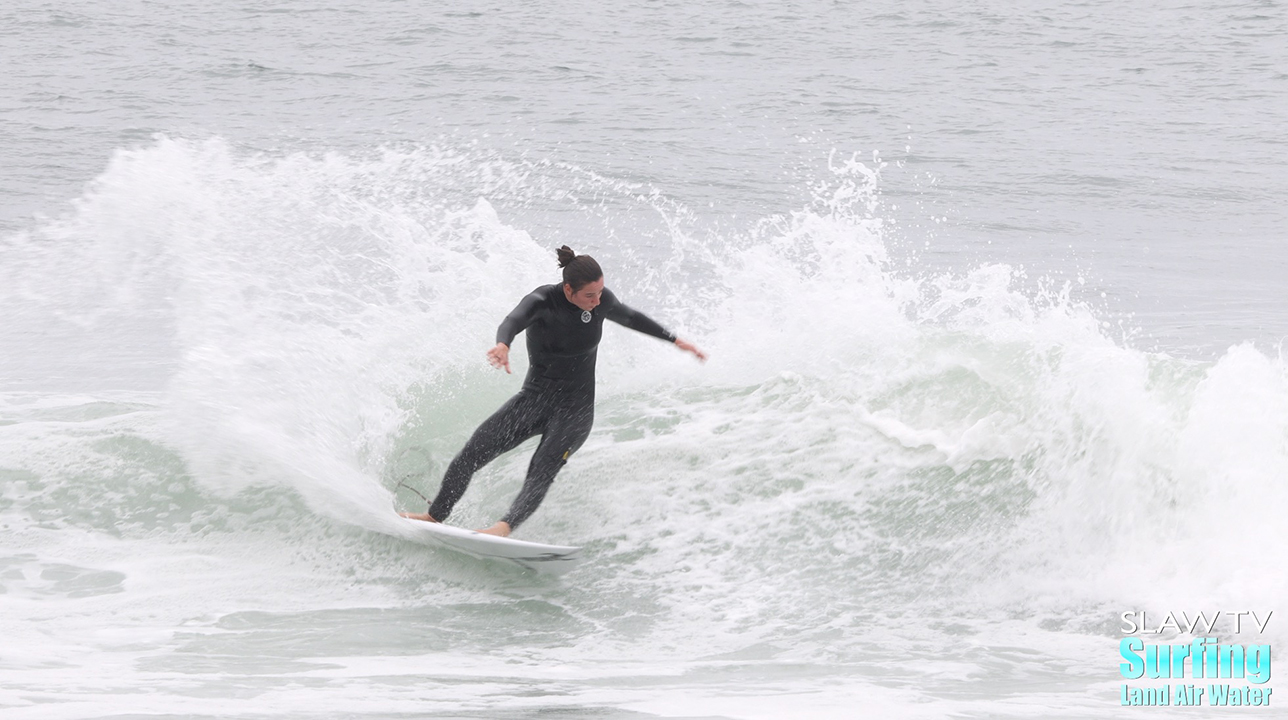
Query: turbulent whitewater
{"type": "Point", "coordinates": [975, 390]}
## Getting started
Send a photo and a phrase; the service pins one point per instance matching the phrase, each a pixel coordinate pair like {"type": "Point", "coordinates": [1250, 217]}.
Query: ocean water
{"type": "Point", "coordinates": [994, 300]}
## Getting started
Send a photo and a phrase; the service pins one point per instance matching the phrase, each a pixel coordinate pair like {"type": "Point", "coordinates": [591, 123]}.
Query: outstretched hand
{"type": "Point", "coordinates": [499, 356]}
{"type": "Point", "coordinates": [687, 346]}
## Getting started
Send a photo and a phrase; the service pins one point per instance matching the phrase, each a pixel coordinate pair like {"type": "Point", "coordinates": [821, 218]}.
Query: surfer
{"type": "Point", "coordinates": [557, 401]}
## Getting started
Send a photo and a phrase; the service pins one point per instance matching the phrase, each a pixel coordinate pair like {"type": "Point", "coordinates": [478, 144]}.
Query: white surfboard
{"type": "Point", "coordinates": [545, 559]}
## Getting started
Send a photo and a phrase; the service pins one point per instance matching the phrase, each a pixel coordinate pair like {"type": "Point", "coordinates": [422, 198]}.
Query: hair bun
{"type": "Point", "coordinates": [566, 255]}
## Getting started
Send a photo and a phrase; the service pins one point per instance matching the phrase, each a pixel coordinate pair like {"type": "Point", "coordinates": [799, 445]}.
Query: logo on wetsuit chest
{"type": "Point", "coordinates": [585, 316]}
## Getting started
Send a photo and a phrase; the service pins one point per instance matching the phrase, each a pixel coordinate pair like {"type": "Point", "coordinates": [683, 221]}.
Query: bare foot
{"type": "Point", "coordinates": [419, 516]}
{"type": "Point", "coordinates": [501, 528]}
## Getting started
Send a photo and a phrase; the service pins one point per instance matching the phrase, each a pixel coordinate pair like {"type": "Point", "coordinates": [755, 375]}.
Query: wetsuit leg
{"type": "Point", "coordinates": [568, 428]}
{"type": "Point", "coordinates": [520, 418]}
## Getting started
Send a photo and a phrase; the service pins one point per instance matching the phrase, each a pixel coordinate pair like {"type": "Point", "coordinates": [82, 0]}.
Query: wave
{"type": "Point", "coordinates": [303, 333]}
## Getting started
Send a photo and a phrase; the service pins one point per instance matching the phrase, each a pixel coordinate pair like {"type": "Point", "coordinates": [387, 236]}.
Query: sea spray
{"type": "Point", "coordinates": [868, 441]}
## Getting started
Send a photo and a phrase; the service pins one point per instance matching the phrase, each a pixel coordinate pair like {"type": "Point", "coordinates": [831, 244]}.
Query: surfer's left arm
{"type": "Point", "coordinates": [687, 346]}
{"type": "Point", "coordinates": [627, 316]}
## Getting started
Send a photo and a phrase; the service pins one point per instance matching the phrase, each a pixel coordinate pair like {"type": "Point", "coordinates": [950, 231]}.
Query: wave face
{"type": "Point", "coordinates": [882, 472]}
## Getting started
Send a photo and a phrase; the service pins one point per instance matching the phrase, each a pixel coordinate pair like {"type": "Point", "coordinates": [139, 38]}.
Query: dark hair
{"type": "Point", "coordinates": [578, 270]}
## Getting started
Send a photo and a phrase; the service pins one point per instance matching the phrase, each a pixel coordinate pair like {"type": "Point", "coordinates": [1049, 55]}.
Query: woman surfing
{"type": "Point", "coordinates": [564, 324]}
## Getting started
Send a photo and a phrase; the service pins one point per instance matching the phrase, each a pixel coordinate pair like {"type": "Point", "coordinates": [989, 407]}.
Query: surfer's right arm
{"type": "Point", "coordinates": [499, 356]}
{"type": "Point", "coordinates": [523, 315]}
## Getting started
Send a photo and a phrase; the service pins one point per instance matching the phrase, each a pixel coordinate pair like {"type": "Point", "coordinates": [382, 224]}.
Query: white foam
{"type": "Point", "coordinates": [865, 443]}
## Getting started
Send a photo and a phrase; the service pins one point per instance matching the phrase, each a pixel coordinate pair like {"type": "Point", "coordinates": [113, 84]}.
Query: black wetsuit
{"type": "Point", "coordinates": [557, 400]}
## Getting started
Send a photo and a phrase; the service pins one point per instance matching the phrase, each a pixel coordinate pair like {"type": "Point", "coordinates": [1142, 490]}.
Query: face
{"type": "Point", "coordinates": [587, 298]}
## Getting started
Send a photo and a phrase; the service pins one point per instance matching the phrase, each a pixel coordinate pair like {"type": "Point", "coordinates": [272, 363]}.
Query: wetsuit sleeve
{"type": "Point", "coordinates": [523, 315]}
{"type": "Point", "coordinates": [622, 314]}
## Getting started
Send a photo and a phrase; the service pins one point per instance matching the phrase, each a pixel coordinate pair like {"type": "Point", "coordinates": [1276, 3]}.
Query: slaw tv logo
{"type": "Point", "coordinates": [1210, 671]}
